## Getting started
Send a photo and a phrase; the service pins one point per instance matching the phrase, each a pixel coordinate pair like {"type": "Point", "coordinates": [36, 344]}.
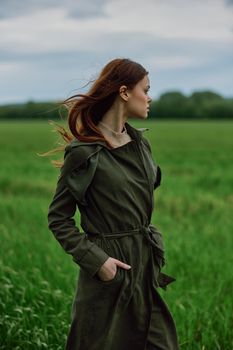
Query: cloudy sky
{"type": "Point", "coordinates": [49, 49]}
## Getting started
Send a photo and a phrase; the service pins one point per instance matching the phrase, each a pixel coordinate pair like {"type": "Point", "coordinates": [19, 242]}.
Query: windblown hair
{"type": "Point", "coordinates": [86, 110]}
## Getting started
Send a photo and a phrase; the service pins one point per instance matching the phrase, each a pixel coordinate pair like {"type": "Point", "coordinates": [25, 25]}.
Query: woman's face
{"type": "Point", "coordinates": [139, 100]}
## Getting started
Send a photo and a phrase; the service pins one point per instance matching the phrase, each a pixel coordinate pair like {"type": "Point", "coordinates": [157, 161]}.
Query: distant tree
{"type": "Point", "coordinates": [218, 109]}
{"type": "Point", "coordinates": [201, 100]}
{"type": "Point", "coordinates": [203, 96]}
{"type": "Point", "coordinates": [172, 104]}
{"type": "Point", "coordinates": [31, 110]}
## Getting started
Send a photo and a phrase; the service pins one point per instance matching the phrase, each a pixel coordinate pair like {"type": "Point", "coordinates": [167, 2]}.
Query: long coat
{"type": "Point", "coordinates": [113, 190]}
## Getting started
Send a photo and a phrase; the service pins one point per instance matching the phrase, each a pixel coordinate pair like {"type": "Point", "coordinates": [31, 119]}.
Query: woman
{"type": "Point", "coordinates": [110, 175]}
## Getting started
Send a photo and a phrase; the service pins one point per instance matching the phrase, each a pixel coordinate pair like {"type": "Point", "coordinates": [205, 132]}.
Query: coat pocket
{"type": "Point", "coordinates": [115, 279]}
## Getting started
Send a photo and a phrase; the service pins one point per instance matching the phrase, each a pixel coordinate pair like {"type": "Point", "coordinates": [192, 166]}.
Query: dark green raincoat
{"type": "Point", "coordinates": [113, 189]}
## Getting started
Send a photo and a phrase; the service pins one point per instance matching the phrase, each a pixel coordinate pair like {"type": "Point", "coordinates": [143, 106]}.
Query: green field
{"type": "Point", "coordinates": [193, 210]}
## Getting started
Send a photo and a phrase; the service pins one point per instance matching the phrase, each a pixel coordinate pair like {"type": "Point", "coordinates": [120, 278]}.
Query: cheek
{"type": "Point", "coordinates": [137, 103]}
{"type": "Point", "coordinates": [141, 98]}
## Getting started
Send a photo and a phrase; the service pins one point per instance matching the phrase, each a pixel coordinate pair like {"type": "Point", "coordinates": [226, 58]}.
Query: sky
{"type": "Point", "coordinates": [50, 49]}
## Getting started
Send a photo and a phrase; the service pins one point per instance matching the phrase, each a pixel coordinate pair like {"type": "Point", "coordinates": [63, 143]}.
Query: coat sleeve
{"type": "Point", "coordinates": [70, 191]}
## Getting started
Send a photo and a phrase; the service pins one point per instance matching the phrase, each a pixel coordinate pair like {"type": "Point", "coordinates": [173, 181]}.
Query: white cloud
{"type": "Point", "coordinates": [197, 19]}
{"type": "Point", "coordinates": [165, 35]}
{"type": "Point", "coordinates": [173, 62]}
{"type": "Point", "coordinates": [50, 29]}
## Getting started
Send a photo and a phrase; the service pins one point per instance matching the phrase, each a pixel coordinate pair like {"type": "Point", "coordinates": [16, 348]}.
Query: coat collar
{"type": "Point", "coordinates": [135, 133]}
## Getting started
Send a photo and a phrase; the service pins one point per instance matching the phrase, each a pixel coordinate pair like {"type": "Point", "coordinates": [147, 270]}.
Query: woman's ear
{"type": "Point", "coordinates": [123, 91]}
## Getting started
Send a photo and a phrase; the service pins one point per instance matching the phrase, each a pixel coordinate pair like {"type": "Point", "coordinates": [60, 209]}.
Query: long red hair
{"type": "Point", "coordinates": [86, 110]}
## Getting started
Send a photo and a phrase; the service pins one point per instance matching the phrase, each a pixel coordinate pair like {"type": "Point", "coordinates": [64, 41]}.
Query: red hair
{"type": "Point", "coordinates": [86, 110]}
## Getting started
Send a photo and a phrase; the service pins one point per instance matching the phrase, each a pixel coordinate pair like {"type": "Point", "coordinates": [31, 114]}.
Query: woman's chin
{"type": "Point", "coordinates": [139, 116]}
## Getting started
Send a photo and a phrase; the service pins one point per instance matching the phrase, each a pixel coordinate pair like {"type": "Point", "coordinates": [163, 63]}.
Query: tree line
{"type": "Point", "coordinates": [170, 105]}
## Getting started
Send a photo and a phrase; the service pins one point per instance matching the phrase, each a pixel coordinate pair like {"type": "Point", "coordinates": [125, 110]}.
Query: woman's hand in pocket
{"type": "Point", "coordinates": [109, 269]}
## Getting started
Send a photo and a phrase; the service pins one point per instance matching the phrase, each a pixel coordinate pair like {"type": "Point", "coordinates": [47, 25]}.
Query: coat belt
{"type": "Point", "coordinates": [146, 231]}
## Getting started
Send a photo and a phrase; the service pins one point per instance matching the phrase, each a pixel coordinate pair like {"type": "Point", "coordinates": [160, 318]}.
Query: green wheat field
{"type": "Point", "coordinates": [193, 210]}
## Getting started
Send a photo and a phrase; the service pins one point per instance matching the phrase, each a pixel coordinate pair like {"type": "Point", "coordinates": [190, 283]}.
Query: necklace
{"type": "Point", "coordinates": [124, 132]}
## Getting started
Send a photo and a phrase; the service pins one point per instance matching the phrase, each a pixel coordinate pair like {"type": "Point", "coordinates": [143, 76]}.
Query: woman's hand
{"type": "Point", "coordinates": [108, 270]}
